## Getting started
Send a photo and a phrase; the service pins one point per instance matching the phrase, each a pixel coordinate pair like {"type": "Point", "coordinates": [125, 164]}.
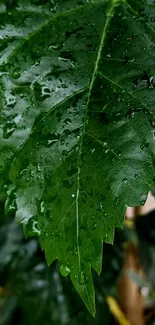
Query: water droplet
{"type": "Point", "coordinates": [35, 227]}
{"type": "Point", "coordinates": [5, 187]}
{"type": "Point", "coordinates": [136, 176]}
{"type": "Point", "coordinates": [39, 168]}
{"type": "Point", "coordinates": [23, 171]}
{"type": "Point", "coordinates": [101, 205]}
{"type": "Point", "coordinates": [42, 207]}
{"type": "Point", "coordinates": [105, 144]}
{"type": "Point", "coordinates": [11, 100]}
{"type": "Point", "coordinates": [73, 195]}
{"type": "Point", "coordinates": [53, 47]}
{"type": "Point", "coordinates": [117, 200]}
{"type": "Point", "coordinates": [67, 60]}
{"type": "Point", "coordinates": [67, 121]}
{"type": "Point", "coordinates": [142, 202]}
{"type": "Point", "coordinates": [16, 73]}
{"type": "Point", "coordinates": [53, 6]}
{"type": "Point", "coordinates": [32, 173]}
{"type": "Point", "coordinates": [50, 142]}
{"type": "Point", "coordinates": [41, 91]}
{"type": "Point", "coordinates": [153, 123]}
{"type": "Point", "coordinates": [8, 129]}
{"type": "Point", "coordinates": [64, 153]}
{"type": "Point", "coordinates": [83, 278]}
{"type": "Point", "coordinates": [62, 142]}
{"type": "Point", "coordinates": [142, 146]}
{"type": "Point", "coordinates": [124, 180]}
{"type": "Point", "coordinates": [46, 92]}
{"type": "Point", "coordinates": [64, 270]}
{"type": "Point", "coordinates": [18, 118]}
{"type": "Point", "coordinates": [27, 180]}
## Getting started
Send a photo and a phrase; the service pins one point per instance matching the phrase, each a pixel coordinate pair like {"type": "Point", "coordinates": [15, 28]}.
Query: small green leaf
{"type": "Point", "coordinates": [77, 123]}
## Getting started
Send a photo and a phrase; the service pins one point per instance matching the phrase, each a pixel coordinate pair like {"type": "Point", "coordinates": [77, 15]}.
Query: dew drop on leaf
{"type": "Point", "coordinates": [35, 227]}
{"type": "Point", "coordinates": [104, 143]}
{"type": "Point", "coordinates": [64, 152]}
{"type": "Point", "coordinates": [64, 270]}
{"type": "Point", "coordinates": [50, 142]}
{"type": "Point", "coordinates": [11, 100]}
{"type": "Point", "coordinates": [117, 200]}
{"type": "Point", "coordinates": [16, 73]}
{"type": "Point", "coordinates": [62, 142]}
{"type": "Point", "coordinates": [53, 6]}
{"type": "Point", "coordinates": [42, 207]}
{"type": "Point", "coordinates": [124, 180]}
{"type": "Point", "coordinates": [68, 121]}
{"type": "Point", "coordinates": [8, 129]}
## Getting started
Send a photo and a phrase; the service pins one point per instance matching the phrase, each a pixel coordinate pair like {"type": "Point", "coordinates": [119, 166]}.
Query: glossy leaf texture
{"type": "Point", "coordinates": [77, 123]}
{"type": "Point", "coordinates": [28, 284]}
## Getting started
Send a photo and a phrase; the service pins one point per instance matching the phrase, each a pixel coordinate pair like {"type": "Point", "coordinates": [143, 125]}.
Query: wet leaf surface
{"type": "Point", "coordinates": [77, 123]}
{"type": "Point", "coordinates": [29, 284]}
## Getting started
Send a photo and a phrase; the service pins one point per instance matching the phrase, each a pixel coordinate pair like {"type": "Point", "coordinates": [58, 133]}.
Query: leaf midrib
{"type": "Point", "coordinates": [109, 15]}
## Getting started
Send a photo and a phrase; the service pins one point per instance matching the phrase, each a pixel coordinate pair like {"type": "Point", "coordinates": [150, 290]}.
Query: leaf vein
{"type": "Point", "coordinates": [102, 41]}
{"type": "Point", "coordinates": [59, 15]}
{"type": "Point", "coordinates": [45, 116]}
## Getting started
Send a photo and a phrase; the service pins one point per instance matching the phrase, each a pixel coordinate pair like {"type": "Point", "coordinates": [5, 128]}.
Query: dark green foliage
{"type": "Point", "coordinates": [145, 227]}
{"type": "Point", "coordinates": [38, 294]}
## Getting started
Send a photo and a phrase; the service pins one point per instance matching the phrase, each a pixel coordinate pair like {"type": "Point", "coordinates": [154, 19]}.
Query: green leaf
{"type": "Point", "coordinates": [77, 123]}
{"type": "Point", "coordinates": [28, 283]}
